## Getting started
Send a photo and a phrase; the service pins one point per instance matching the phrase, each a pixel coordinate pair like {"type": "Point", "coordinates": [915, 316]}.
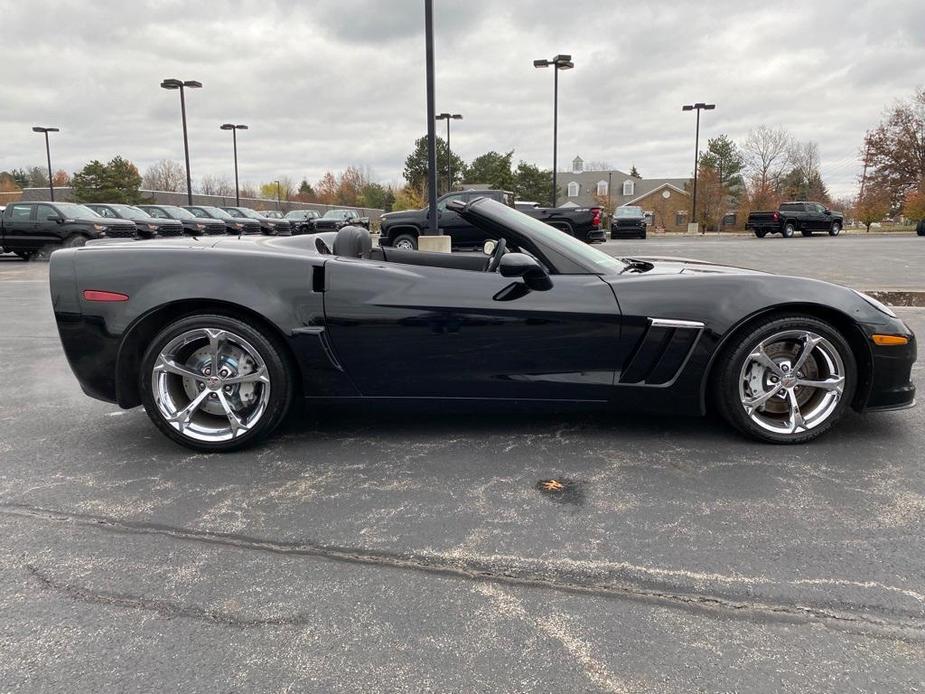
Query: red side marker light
{"type": "Point", "coordinates": [97, 295]}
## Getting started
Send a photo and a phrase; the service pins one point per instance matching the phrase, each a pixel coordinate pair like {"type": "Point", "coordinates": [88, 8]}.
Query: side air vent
{"type": "Point", "coordinates": [318, 278]}
{"type": "Point", "coordinates": [661, 352]}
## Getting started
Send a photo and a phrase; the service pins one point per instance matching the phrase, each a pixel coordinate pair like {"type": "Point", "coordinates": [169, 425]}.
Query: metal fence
{"type": "Point", "coordinates": [163, 197]}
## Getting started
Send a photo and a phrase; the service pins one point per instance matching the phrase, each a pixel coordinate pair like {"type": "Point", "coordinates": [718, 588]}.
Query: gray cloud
{"type": "Point", "coordinates": [327, 84]}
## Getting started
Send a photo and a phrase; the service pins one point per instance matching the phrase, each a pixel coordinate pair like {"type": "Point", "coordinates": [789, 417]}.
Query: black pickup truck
{"type": "Point", "coordinates": [27, 228]}
{"type": "Point", "coordinates": [401, 229]}
{"type": "Point", "coordinates": [790, 217]}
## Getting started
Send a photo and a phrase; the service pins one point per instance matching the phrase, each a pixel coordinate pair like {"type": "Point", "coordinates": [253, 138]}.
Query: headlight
{"type": "Point", "coordinates": [201, 227]}
{"type": "Point", "coordinates": [152, 227]}
{"type": "Point", "coordinates": [880, 306]}
{"type": "Point", "coordinates": [99, 227]}
{"type": "Point", "coordinates": [238, 226]}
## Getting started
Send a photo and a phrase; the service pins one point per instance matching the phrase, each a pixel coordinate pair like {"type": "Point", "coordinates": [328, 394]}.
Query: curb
{"type": "Point", "coordinates": [898, 297]}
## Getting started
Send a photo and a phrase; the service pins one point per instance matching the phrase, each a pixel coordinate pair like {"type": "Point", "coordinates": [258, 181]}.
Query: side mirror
{"type": "Point", "coordinates": [828, 211]}
{"type": "Point", "coordinates": [527, 268]}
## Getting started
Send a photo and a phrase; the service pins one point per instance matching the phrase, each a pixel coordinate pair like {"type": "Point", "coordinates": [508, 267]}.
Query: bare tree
{"type": "Point", "coordinates": [165, 175]}
{"type": "Point", "coordinates": [215, 185]}
{"type": "Point", "coordinates": [767, 154]}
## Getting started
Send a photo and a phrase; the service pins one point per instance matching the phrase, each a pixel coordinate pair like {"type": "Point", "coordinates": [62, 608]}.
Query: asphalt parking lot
{"type": "Point", "coordinates": [395, 551]}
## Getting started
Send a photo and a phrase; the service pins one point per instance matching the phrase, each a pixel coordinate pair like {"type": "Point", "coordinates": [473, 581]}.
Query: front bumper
{"type": "Point", "coordinates": [891, 386]}
{"type": "Point", "coordinates": [627, 231]}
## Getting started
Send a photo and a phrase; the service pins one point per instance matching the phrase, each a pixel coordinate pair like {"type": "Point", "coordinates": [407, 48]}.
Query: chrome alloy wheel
{"type": "Point", "coordinates": [791, 382]}
{"type": "Point", "coordinates": [210, 385]}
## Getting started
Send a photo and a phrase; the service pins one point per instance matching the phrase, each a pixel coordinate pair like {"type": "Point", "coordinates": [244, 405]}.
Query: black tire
{"type": "Point", "coordinates": [269, 349]}
{"type": "Point", "coordinates": [75, 241]}
{"type": "Point", "coordinates": [405, 240]}
{"type": "Point", "coordinates": [835, 229]}
{"type": "Point", "coordinates": [26, 255]}
{"type": "Point", "coordinates": [733, 358]}
{"type": "Point", "coordinates": [806, 232]}
{"type": "Point", "coordinates": [788, 230]}
{"type": "Point", "coordinates": [760, 233]}
{"type": "Point", "coordinates": [920, 228]}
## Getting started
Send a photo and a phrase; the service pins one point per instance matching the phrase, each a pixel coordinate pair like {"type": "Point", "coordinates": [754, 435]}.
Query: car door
{"type": "Point", "coordinates": [435, 332]}
{"type": "Point", "coordinates": [19, 227]}
{"type": "Point", "coordinates": [47, 230]}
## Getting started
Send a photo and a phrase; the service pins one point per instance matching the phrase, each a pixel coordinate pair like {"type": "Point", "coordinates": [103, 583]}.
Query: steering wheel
{"type": "Point", "coordinates": [496, 256]}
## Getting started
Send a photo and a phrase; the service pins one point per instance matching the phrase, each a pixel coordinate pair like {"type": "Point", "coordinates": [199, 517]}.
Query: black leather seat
{"type": "Point", "coordinates": [353, 242]}
{"type": "Point", "coordinates": [454, 261]}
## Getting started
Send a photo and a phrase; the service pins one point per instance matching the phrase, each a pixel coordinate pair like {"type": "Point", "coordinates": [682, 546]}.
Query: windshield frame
{"type": "Point", "coordinates": [561, 252]}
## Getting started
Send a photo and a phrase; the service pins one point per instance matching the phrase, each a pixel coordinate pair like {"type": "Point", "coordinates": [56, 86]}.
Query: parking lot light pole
{"type": "Point", "coordinates": [41, 129]}
{"type": "Point", "coordinates": [699, 106]}
{"type": "Point", "coordinates": [449, 153]}
{"type": "Point", "coordinates": [433, 226]}
{"type": "Point", "coordinates": [181, 85]}
{"type": "Point", "coordinates": [234, 138]}
{"type": "Point", "coordinates": [560, 62]}
{"type": "Point", "coordinates": [279, 204]}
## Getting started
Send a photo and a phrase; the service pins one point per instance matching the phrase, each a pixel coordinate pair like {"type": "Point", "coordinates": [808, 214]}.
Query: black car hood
{"type": "Point", "coordinates": [666, 265]}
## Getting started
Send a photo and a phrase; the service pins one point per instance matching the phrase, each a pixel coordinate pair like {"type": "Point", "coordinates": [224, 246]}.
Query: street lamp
{"type": "Point", "coordinates": [234, 138]}
{"type": "Point", "coordinates": [449, 153]}
{"type": "Point", "coordinates": [40, 129]}
{"type": "Point", "coordinates": [700, 106]}
{"type": "Point", "coordinates": [560, 62]}
{"type": "Point", "coordinates": [179, 84]}
{"type": "Point", "coordinates": [279, 204]}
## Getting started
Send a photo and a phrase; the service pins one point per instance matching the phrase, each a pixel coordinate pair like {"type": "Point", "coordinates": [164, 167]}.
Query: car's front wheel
{"type": "Point", "coordinates": [787, 380]}
{"type": "Point", "coordinates": [835, 229]}
{"type": "Point", "coordinates": [408, 242]}
{"type": "Point", "coordinates": [215, 383]}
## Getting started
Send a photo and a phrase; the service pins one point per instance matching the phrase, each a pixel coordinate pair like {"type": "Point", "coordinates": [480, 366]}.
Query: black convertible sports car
{"type": "Point", "coordinates": [216, 336]}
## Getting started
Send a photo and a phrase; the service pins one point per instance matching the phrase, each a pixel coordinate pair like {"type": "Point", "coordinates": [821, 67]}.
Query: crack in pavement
{"type": "Point", "coordinates": [518, 572]}
{"type": "Point", "coordinates": [164, 608]}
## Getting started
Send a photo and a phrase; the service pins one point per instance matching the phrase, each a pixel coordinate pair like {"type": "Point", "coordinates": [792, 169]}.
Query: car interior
{"type": "Point", "coordinates": [355, 242]}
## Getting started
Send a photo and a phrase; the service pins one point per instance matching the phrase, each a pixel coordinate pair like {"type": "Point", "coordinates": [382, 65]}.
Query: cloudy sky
{"type": "Point", "coordinates": [324, 84]}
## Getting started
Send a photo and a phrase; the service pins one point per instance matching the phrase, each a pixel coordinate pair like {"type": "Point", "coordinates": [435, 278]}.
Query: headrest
{"type": "Point", "coordinates": [353, 242]}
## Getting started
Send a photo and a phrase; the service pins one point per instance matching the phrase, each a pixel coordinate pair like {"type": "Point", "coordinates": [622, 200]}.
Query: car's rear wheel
{"type": "Point", "coordinates": [409, 242]}
{"type": "Point", "coordinates": [835, 229]}
{"type": "Point", "coordinates": [26, 255]}
{"type": "Point", "coordinates": [789, 229]}
{"type": "Point", "coordinates": [760, 233]}
{"type": "Point", "coordinates": [787, 380]}
{"type": "Point", "coordinates": [215, 383]}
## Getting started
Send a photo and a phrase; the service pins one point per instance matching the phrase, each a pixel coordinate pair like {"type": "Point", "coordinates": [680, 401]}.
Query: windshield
{"type": "Point", "coordinates": [337, 214]}
{"type": "Point", "coordinates": [301, 214]}
{"type": "Point", "coordinates": [248, 212]}
{"type": "Point", "coordinates": [546, 235]}
{"type": "Point", "coordinates": [129, 212]}
{"type": "Point", "coordinates": [628, 212]}
{"type": "Point", "coordinates": [216, 212]}
{"type": "Point", "coordinates": [178, 212]}
{"type": "Point", "coordinates": [69, 209]}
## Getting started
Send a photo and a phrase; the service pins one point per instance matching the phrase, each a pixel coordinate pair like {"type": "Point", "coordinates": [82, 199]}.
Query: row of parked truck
{"type": "Point", "coordinates": [28, 228]}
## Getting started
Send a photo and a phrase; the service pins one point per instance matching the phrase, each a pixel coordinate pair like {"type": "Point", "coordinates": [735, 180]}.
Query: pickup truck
{"type": "Point", "coordinates": [401, 229]}
{"type": "Point", "coordinates": [790, 217]}
{"type": "Point", "coordinates": [628, 222]}
{"type": "Point", "coordinates": [28, 228]}
{"type": "Point", "coordinates": [334, 220]}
